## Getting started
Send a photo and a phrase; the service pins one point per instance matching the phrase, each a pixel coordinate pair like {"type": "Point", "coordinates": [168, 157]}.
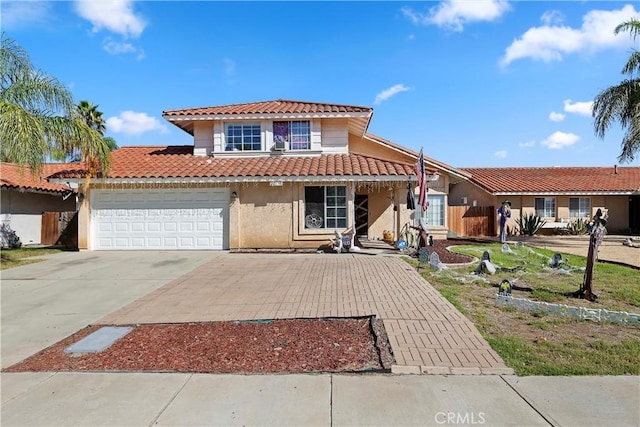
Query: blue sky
{"type": "Point", "coordinates": [475, 83]}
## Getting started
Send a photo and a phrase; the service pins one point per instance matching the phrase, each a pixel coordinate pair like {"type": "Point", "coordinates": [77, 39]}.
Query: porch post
{"type": "Point", "coordinates": [353, 247]}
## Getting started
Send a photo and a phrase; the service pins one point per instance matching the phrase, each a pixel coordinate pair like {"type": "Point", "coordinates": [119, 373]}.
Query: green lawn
{"type": "Point", "coordinates": [10, 258]}
{"type": "Point", "coordinates": [538, 343]}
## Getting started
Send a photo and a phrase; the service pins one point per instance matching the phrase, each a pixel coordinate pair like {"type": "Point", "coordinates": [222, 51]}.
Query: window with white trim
{"type": "Point", "coordinates": [546, 207]}
{"type": "Point", "coordinates": [579, 207]}
{"type": "Point", "coordinates": [325, 207]}
{"type": "Point", "coordinates": [435, 211]}
{"type": "Point", "coordinates": [243, 137]}
{"type": "Point", "coordinates": [296, 133]}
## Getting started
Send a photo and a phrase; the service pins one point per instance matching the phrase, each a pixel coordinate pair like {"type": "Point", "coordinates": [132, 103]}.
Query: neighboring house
{"type": "Point", "coordinates": [264, 175]}
{"type": "Point", "coordinates": [24, 197]}
{"type": "Point", "coordinates": [557, 194]}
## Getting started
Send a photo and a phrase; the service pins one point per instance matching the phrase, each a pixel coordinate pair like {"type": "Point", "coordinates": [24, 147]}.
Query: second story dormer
{"type": "Point", "coordinates": [279, 127]}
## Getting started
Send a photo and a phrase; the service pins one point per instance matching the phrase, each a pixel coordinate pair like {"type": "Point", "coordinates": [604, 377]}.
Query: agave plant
{"type": "Point", "coordinates": [574, 228]}
{"type": "Point", "coordinates": [530, 224]}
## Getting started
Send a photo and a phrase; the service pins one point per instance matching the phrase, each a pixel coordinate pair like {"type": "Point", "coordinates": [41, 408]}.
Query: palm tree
{"type": "Point", "coordinates": [38, 117]}
{"type": "Point", "coordinates": [622, 102]}
{"type": "Point", "coordinates": [93, 118]}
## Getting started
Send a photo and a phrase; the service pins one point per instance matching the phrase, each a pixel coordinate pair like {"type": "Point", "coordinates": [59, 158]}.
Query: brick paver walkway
{"type": "Point", "coordinates": [427, 334]}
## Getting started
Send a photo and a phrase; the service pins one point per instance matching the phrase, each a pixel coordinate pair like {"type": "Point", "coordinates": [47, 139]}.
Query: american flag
{"type": "Point", "coordinates": [422, 182]}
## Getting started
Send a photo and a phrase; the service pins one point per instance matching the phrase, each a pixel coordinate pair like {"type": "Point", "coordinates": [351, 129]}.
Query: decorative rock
{"type": "Point", "coordinates": [486, 256]}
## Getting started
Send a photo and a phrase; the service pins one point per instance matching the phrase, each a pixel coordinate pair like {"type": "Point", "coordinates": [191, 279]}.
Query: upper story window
{"type": "Point", "coordinates": [546, 207]}
{"type": "Point", "coordinates": [579, 207]}
{"type": "Point", "coordinates": [243, 137]}
{"type": "Point", "coordinates": [296, 133]}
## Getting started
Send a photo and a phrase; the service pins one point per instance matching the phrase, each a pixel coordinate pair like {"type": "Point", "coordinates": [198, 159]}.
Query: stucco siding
{"type": "Point", "coordinates": [264, 216]}
{"type": "Point", "coordinates": [369, 148]}
{"type": "Point", "coordinates": [22, 211]}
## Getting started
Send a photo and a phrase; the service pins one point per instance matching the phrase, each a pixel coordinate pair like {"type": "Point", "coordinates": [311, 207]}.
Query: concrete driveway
{"type": "Point", "coordinates": [45, 302]}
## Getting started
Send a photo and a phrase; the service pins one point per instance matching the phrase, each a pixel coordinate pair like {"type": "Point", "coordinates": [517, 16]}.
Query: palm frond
{"type": "Point", "coordinates": [632, 25]}
{"type": "Point", "coordinates": [633, 64]}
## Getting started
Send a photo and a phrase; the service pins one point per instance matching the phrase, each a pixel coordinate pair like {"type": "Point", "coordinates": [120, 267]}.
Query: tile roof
{"type": "Point", "coordinates": [179, 162]}
{"type": "Point", "coordinates": [278, 106]}
{"type": "Point", "coordinates": [427, 159]}
{"type": "Point", "coordinates": [17, 177]}
{"type": "Point", "coordinates": [557, 179]}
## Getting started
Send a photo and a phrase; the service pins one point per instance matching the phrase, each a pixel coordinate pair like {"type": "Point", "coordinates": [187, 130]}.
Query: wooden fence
{"type": "Point", "coordinates": [59, 228]}
{"type": "Point", "coordinates": [472, 220]}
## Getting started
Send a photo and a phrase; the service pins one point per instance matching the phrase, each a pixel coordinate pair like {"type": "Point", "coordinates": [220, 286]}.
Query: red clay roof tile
{"type": "Point", "coordinates": [278, 106]}
{"type": "Point", "coordinates": [179, 162]}
{"type": "Point", "coordinates": [557, 179]}
{"type": "Point", "coordinates": [17, 177]}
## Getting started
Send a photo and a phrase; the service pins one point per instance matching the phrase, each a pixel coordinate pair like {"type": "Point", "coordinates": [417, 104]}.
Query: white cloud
{"type": "Point", "coordinates": [556, 117]}
{"type": "Point", "coordinates": [229, 66]}
{"type": "Point", "coordinates": [582, 108]}
{"type": "Point", "coordinates": [552, 17]}
{"type": "Point", "coordinates": [527, 144]}
{"type": "Point", "coordinates": [116, 16]}
{"type": "Point", "coordinates": [551, 42]}
{"type": "Point", "coordinates": [454, 14]}
{"type": "Point", "coordinates": [500, 154]}
{"type": "Point", "coordinates": [388, 93]}
{"type": "Point", "coordinates": [116, 48]}
{"type": "Point", "coordinates": [17, 14]}
{"type": "Point", "coordinates": [133, 123]}
{"type": "Point", "coordinates": [559, 140]}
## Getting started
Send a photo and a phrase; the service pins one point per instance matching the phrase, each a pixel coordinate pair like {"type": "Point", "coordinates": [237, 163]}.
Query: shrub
{"type": "Point", "coordinates": [530, 224]}
{"type": "Point", "coordinates": [574, 228]}
{"type": "Point", "coordinates": [9, 238]}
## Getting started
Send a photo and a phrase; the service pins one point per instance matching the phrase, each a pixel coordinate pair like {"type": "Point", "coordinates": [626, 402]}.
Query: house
{"type": "Point", "coordinates": [278, 175]}
{"type": "Point", "coordinates": [556, 194]}
{"type": "Point", "coordinates": [24, 197]}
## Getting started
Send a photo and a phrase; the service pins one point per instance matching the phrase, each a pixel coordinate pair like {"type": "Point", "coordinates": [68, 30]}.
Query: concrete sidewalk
{"type": "Point", "coordinates": [150, 399]}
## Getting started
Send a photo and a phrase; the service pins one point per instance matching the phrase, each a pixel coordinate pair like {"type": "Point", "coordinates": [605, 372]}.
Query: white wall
{"type": "Point", "coordinates": [28, 227]}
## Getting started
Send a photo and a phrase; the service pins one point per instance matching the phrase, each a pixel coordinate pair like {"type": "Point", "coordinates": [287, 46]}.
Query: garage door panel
{"type": "Point", "coordinates": [170, 226]}
{"type": "Point", "coordinates": [159, 219]}
{"type": "Point", "coordinates": [138, 242]}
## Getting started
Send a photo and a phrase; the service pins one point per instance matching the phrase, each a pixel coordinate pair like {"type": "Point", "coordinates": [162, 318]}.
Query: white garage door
{"type": "Point", "coordinates": [194, 218]}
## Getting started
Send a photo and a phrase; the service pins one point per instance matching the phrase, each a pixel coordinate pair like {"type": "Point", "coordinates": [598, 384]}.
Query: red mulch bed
{"type": "Point", "coordinates": [448, 257]}
{"type": "Point", "coordinates": [299, 345]}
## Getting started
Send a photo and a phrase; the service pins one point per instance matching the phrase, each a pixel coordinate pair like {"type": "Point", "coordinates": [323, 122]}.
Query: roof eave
{"type": "Point", "coordinates": [246, 179]}
{"type": "Point", "coordinates": [566, 193]}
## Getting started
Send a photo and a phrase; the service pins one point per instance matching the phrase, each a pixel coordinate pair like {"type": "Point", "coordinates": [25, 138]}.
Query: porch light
{"type": "Point", "coordinates": [234, 195]}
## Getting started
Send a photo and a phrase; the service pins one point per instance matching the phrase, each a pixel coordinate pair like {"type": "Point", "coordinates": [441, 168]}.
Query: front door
{"type": "Point", "coordinates": [362, 214]}
{"type": "Point", "coordinates": [634, 214]}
